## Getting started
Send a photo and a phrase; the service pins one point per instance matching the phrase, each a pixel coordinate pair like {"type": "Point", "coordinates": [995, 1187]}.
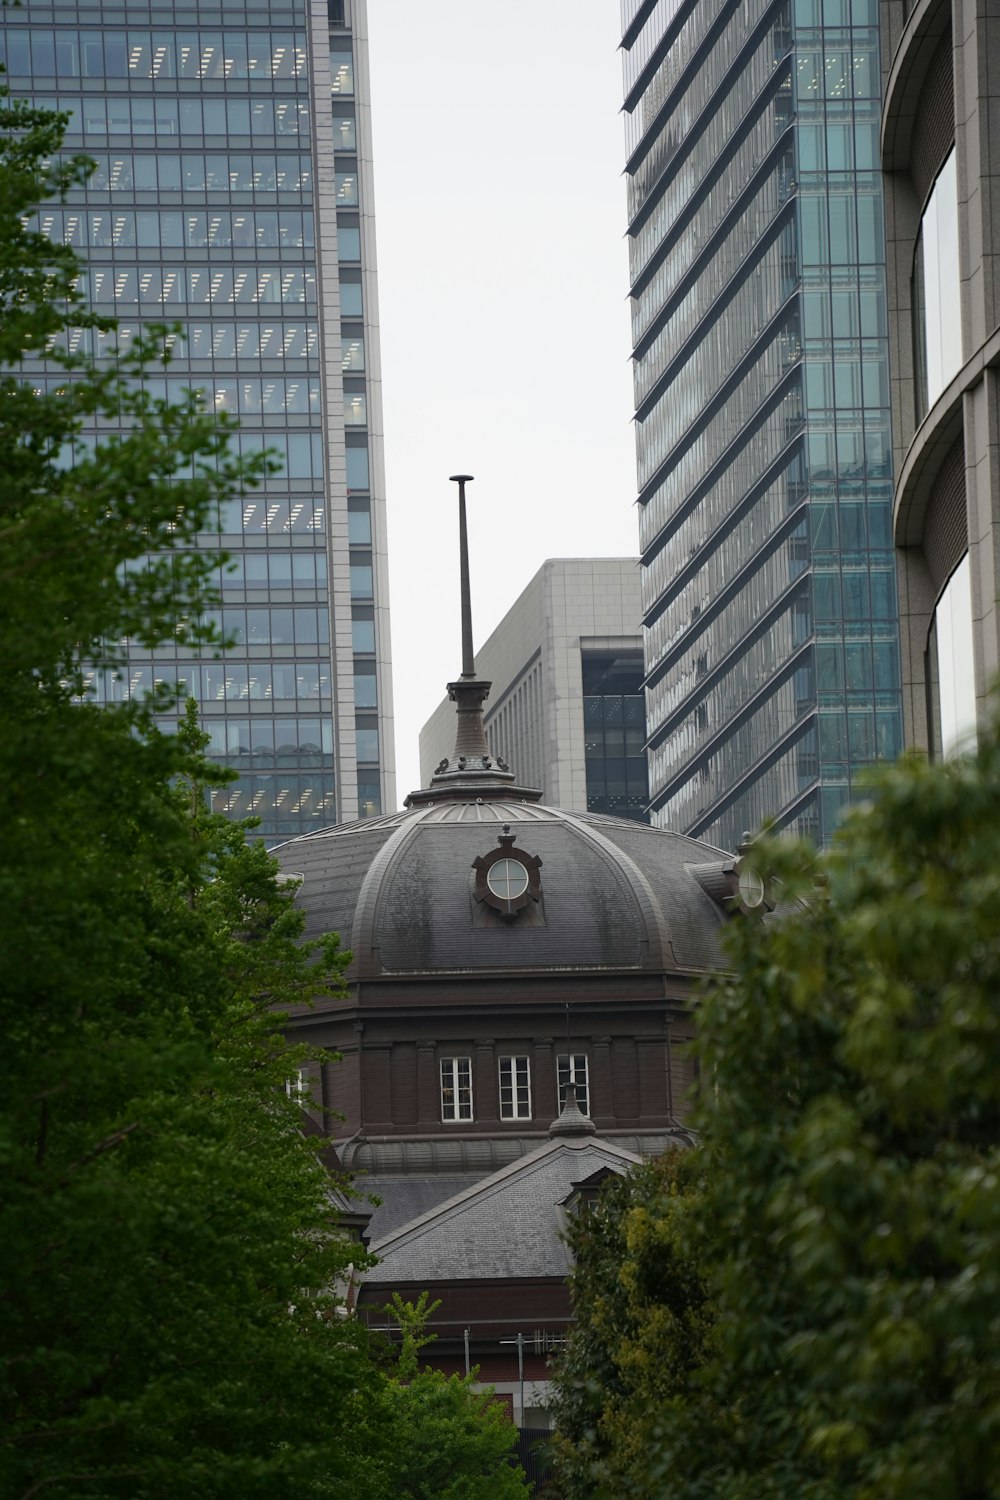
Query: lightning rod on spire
{"type": "Point", "coordinates": [468, 656]}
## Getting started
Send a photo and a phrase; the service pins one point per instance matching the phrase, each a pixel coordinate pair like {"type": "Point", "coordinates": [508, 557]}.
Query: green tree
{"type": "Point", "coordinates": [442, 1439]}
{"type": "Point", "coordinates": [644, 1322]}
{"type": "Point", "coordinates": [170, 1255]}
{"type": "Point", "coordinates": [848, 1224]}
{"type": "Point", "coordinates": [169, 1252]}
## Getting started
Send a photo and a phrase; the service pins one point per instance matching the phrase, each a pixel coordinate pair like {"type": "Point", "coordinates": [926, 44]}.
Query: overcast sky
{"type": "Point", "coordinates": [503, 274]}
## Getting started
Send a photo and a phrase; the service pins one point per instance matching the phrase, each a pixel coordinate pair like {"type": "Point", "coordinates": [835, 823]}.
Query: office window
{"type": "Point", "coordinates": [346, 188]}
{"type": "Point", "coordinates": [363, 635]}
{"type": "Point", "coordinates": [365, 689]}
{"type": "Point", "coordinates": [341, 72]}
{"type": "Point", "coordinates": [352, 353]}
{"type": "Point", "coordinates": [359, 527]}
{"type": "Point", "coordinates": [369, 799]}
{"type": "Point", "coordinates": [515, 1088]}
{"type": "Point", "coordinates": [362, 583]}
{"type": "Point", "coordinates": [366, 744]}
{"type": "Point", "coordinates": [456, 1088]}
{"type": "Point", "coordinates": [350, 299]}
{"type": "Point", "coordinates": [344, 133]}
{"type": "Point", "coordinates": [573, 1069]}
{"type": "Point", "coordinates": [348, 243]}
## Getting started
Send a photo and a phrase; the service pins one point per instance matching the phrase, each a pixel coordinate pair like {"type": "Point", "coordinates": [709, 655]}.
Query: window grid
{"type": "Point", "coordinates": [297, 1087]}
{"type": "Point", "coordinates": [573, 1069]}
{"type": "Point", "coordinates": [201, 208]}
{"type": "Point", "coordinates": [515, 1088]}
{"type": "Point", "coordinates": [456, 1089]}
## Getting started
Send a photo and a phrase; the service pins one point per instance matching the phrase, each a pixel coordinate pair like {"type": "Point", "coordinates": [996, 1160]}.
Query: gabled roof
{"type": "Point", "coordinates": [507, 1226]}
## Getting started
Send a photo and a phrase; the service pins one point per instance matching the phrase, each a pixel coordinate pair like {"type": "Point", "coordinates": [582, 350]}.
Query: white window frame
{"type": "Point", "coordinates": [514, 1080]}
{"type": "Point", "coordinates": [455, 1076]}
{"type": "Point", "coordinates": [573, 1068]}
{"type": "Point", "coordinates": [297, 1088]}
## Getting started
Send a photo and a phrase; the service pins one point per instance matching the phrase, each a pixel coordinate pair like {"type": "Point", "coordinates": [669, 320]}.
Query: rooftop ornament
{"type": "Point", "coordinates": [471, 769]}
{"type": "Point", "coordinates": [572, 1121]}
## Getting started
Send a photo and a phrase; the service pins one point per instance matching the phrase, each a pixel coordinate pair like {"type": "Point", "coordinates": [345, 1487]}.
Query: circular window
{"type": "Point", "coordinates": [751, 887]}
{"type": "Point", "coordinates": [507, 879]}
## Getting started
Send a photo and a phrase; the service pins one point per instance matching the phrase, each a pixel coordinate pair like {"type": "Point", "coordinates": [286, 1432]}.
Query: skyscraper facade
{"type": "Point", "coordinates": [761, 392]}
{"type": "Point", "coordinates": [944, 313]}
{"type": "Point", "coordinates": [233, 195]}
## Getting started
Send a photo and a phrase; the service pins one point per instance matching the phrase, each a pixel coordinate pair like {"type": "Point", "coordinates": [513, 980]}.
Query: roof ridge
{"type": "Point", "coordinates": [495, 1181]}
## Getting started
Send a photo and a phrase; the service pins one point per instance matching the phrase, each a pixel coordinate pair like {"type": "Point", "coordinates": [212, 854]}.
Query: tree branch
{"type": "Point", "coordinates": [108, 1144]}
{"type": "Point", "coordinates": [61, 1478]}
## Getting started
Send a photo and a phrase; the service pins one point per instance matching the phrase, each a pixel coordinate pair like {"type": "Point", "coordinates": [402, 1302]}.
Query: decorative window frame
{"type": "Point", "coordinates": [518, 1106]}
{"type": "Point", "coordinates": [483, 863]}
{"type": "Point", "coordinates": [297, 1087]}
{"type": "Point", "coordinates": [455, 1083]}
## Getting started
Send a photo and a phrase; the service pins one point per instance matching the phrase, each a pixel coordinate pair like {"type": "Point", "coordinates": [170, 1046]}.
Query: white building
{"type": "Point", "coordinates": [566, 710]}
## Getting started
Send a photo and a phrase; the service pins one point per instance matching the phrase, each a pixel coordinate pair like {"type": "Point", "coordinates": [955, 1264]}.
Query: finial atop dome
{"type": "Point", "coordinates": [468, 654]}
{"type": "Point", "coordinates": [572, 1120]}
{"type": "Point", "coordinates": [471, 768]}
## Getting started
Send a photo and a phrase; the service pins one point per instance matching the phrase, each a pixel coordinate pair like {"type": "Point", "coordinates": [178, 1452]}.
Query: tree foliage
{"type": "Point", "coordinates": [170, 1255]}
{"type": "Point", "coordinates": [170, 1248]}
{"type": "Point", "coordinates": [843, 1211]}
{"type": "Point", "coordinates": [444, 1437]}
{"type": "Point", "coordinates": [643, 1320]}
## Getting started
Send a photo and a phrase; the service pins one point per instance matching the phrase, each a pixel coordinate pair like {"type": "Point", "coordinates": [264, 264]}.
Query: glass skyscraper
{"type": "Point", "coordinates": [232, 194]}
{"type": "Point", "coordinates": [757, 267]}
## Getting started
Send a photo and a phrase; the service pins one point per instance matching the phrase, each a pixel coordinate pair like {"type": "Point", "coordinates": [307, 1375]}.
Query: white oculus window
{"type": "Point", "coordinates": [456, 1088]}
{"type": "Point", "coordinates": [515, 1088]}
{"type": "Point", "coordinates": [573, 1069]}
{"type": "Point", "coordinates": [507, 879]}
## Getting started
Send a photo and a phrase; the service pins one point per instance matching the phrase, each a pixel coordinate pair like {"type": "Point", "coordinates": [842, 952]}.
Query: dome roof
{"type": "Point", "coordinates": [403, 892]}
{"type": "Point", "coordinates": [476, 876]}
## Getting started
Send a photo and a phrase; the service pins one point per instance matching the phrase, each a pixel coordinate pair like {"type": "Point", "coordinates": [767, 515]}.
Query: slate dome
{"type": "Point", "coordinates": [614, 894]}
{"type": "Point", "coordinates": [409, 894]}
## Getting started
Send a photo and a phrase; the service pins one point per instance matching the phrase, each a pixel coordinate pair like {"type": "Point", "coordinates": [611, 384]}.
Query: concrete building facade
{"type": "Point", "coordinates": [566, 709]}
{"type": "Point", "coordinates": [941, 103]}
{"type": "Point", "coordinates": [233, 195]}
{"type": "Point", "coordinates": [762, 408]}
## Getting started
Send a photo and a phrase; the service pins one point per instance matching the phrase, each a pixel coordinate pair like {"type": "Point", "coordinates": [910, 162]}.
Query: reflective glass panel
{"type": "Point", "coordinates": [937, 305]}
{"type": "Point", "coordinates": [951, 678]}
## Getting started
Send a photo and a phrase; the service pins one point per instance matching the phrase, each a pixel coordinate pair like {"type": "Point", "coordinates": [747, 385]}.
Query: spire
{"type": "Point", "coordinates": [468, 655]}
{"type": "Point", "coordinates": [470, 769]}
